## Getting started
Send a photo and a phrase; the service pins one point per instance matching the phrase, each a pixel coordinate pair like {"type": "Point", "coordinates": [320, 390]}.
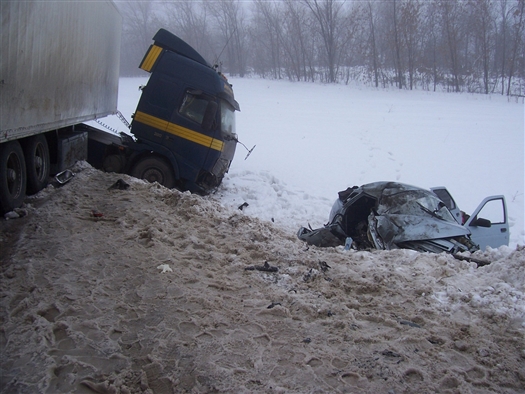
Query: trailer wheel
{"type": "Point", "coordinates": [37, 163]}
{"type": "Point", "coordinates": [12, 176]}
{"type": "Point", "coordinates": [154, 169]}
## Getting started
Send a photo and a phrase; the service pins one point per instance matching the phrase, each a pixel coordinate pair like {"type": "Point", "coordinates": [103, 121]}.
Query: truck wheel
{"type": "Point", "coordinates": [37, 163]}
{"type": "Point", "coordinates": [12, 176]}
{"type": "Point", "coordinates": [154, 169]}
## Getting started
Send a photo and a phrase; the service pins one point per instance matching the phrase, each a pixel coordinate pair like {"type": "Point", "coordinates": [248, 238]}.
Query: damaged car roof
{"type": "Point", "coordinates": [389, 215]}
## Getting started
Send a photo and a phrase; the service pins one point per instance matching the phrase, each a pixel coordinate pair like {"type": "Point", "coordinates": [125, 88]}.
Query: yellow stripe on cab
{"type": "Point", "coordinates": [150, 59]}
{"type": "Point", "coordinates": [179, 131]}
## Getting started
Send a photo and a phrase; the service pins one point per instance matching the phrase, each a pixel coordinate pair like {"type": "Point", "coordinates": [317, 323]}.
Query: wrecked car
{"type": "Point", "coordinates": [391, 215]}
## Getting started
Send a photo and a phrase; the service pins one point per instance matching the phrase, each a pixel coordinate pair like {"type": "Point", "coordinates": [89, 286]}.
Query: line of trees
{"type": "Point", "coordinates": [453, 45]}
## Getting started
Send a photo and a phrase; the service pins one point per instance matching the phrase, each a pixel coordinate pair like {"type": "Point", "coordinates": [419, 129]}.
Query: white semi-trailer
{"type": "Point", "coordinates": [59, 67]}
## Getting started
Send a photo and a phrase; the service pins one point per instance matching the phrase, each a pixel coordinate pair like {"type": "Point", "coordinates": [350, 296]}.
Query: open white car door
{"type": "Point", "coordinates": [488, 224]}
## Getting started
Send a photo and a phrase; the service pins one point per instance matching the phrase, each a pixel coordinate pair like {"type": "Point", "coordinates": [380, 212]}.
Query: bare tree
{"type": "Point", "coordinates": [518, 19]}
{"type": "Point", "coordinates": [353, 38]}
{"type": "Point", "coordinates": [397, 45]}
{"type": "Point", "coordinates": [230, 19]}
{"type": "Point", "coordinates": [373, 45]}
{"type": "Point", "coordinates": [429, 60]}
{"type": "Point", "coordinates": [267, 37]}
{"type": "Point", "coordinates": [501, 46]}
{"type": "Point", "coordinates": [189, 20]}
{"type": "Point", "coordinates": [407, 43]}
{"type": "Point", "coordinates": [449, 12]}
{"type": "Point", "coordinates": [483, 26]}
{"type": "Point", "coordinates": [410, 19]}
{"type": "Point", "coordinates": [298, 42]}
{"type": "Point", "coordinates": [328, 14]}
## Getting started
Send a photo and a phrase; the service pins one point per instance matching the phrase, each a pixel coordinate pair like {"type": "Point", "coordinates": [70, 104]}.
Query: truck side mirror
{"type": "Point", "coordinates": [480, 222]}
{"type": "Point", "coordinates": [209, 115]}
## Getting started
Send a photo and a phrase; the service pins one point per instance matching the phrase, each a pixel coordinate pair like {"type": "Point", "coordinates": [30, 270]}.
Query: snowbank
{"type": "Point", "coordinates": [155, 295]}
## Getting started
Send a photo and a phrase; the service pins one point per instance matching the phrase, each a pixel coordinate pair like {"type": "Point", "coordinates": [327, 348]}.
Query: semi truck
{"type": "Point", "coordinates": [59, 68]}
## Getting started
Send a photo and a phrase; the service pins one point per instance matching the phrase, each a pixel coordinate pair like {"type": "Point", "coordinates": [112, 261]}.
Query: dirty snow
{"type": "Point", "coordinates": [154, 295]}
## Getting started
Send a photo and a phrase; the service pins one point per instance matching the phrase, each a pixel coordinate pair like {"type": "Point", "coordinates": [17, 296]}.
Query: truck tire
{"type": "Point", "coordinates": [154, 169]}
{"type": "Point", "coordinates": [36, 153]}
{"type": "Point", "coordinates": [12, 176]}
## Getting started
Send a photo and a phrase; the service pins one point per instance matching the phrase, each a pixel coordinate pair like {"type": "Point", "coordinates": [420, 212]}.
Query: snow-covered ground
{"type": "Point", "coordinates": [314, 140]}
{"type": "Point", "coordinates": [153, 290]}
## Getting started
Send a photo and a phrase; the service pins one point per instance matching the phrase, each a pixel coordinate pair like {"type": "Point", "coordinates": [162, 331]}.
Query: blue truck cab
{"type": "Point", "coordinates": [187, 110]}
{"type": "Point", "coordinates": [184, 124]}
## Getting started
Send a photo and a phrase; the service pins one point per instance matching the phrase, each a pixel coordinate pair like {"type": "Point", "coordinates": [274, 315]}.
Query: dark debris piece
{"type": "Point", "coordinates": [324, 266]}
{"type": "Point", "coordinates": [96, 214]}
{"type": "Point", "coordinates": [119, 185]}
{"type": "Point", "coordinates": [266, 268]}
{"type": "Point", "coordinates": [308, 275]}
{"type": "Point", "coordinates": [480, 263]}
{"type": "Point", "coordinates": [272, 305]}
{"type": "Point", "coordinates": [243, 205]}
{"type": "Point", "coordinates": [409, 323]}
{"type": "Point", "coordinates": [396, 357]}
{"type": "Point", "coordinates": [390, 353]}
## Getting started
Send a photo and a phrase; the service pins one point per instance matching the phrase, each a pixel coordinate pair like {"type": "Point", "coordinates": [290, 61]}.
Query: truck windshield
{"type": "Point", "coordinates": [227, 119]}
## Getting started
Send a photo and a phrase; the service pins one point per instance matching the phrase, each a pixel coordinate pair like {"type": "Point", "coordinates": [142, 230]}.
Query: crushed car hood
{"type": "Point", "coordinates": [394, 229]}
{"type": "Point", "coordinates": [388, 215]}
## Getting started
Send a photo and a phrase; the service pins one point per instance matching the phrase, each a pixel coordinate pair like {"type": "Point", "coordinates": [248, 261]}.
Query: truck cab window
{"type": "Point", "coordinates": [193, 107]}
{"type": "Point", "coordinates": [227, 119]}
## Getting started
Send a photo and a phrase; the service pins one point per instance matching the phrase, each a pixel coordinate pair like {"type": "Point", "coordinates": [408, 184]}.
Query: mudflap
{"type": "Point", "coordinates": [322, 237]}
